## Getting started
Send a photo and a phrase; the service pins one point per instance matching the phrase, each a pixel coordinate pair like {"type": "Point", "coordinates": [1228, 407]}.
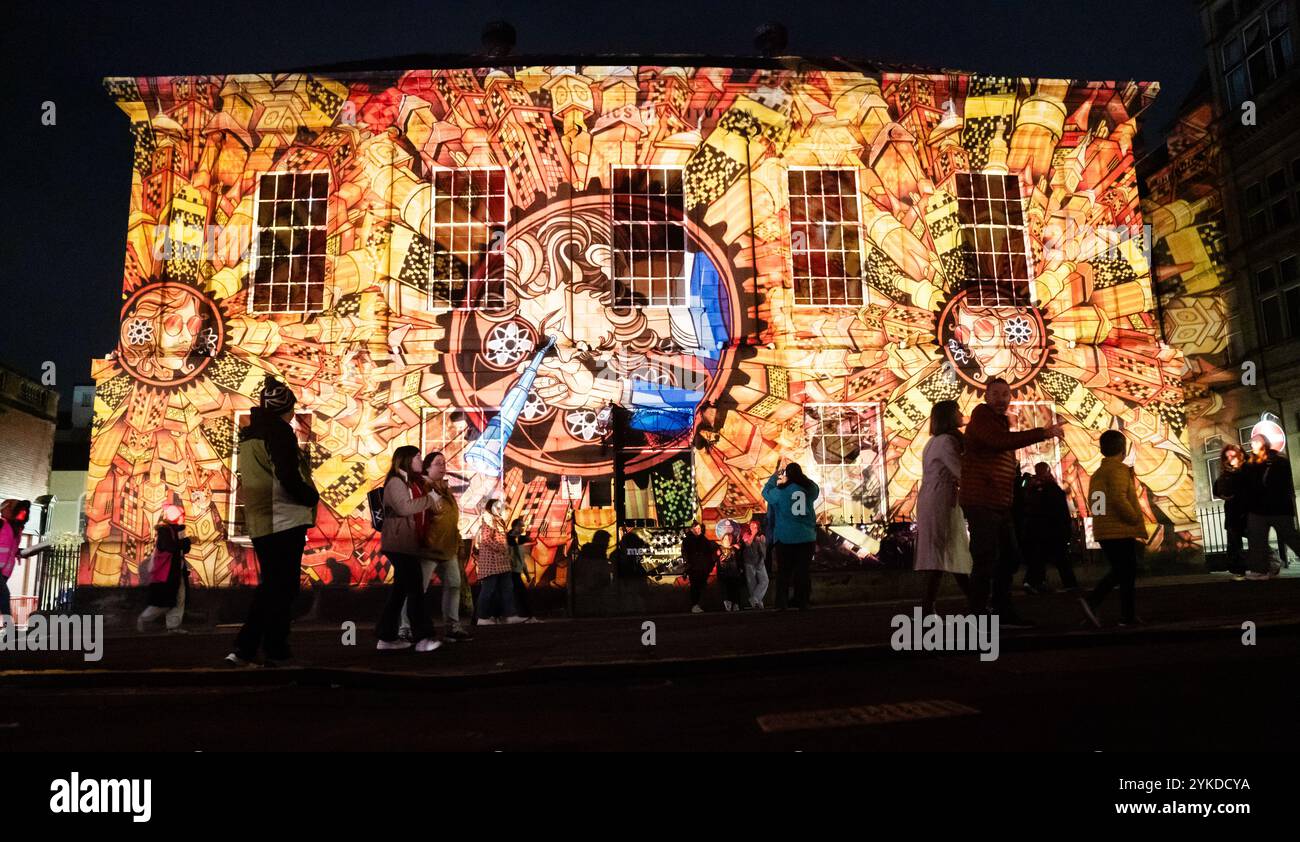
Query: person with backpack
{"type": "Point", "coordinates": [790, 497]}
{"type": "Point", "coordinates": [279, 506]}
{"type": "Point", "coordinates": [168, 574]}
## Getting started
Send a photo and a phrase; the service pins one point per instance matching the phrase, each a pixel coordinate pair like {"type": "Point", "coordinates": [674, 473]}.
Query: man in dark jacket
{"type": "Point", "coordinates": [989, 470]}
{"type": "Point", "coordinates": [1271, 506]}
{"type": "Point", "coordinates": [1232, 488]}
{"type": "Point", "coordinates": [1048, 530]}
{"type": "Point", "coordinates": [279, 505]}
{"type": "Point", "coordinates": [700, 555]}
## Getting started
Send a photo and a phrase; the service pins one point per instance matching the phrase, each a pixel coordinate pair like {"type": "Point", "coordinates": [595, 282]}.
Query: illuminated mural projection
{"type": "Point", "coordinates": [1184, 208]}
{"type": "Point", "coordinates": [621, 293]}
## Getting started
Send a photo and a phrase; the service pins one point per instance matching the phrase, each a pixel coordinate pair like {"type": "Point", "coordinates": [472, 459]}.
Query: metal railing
{"type": "Point", "coordinates": [56, 578]}
{"type": "Point", "coordinates": [1214, 529]}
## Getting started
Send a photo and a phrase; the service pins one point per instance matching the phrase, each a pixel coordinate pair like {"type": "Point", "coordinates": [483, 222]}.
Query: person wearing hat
{"type": "Point", "coordinates": [279, 505]}
{"type": "Point", "coordinates": [168, 574]}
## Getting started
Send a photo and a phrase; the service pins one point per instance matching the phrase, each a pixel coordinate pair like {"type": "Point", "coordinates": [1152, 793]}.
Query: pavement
{"type": "Point", "coordinates": [1209, 608]}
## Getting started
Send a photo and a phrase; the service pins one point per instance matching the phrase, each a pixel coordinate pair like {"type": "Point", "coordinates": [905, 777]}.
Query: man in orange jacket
{"type": "Point", "coordinates": [989, 470]}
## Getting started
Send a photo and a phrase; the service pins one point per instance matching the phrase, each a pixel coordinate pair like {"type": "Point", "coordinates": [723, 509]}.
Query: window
{"type": "Point", "coordinates": [993, 226]}
{"type": "Point", "coordinates": [469, 232]}
{"type": "Point", "coordinates": [1277, 288]}
{"type": "Point", "coordinates": [1213, 470]}
{"type": "Point", "coordinates": [1256, 55]}
{"type": "Point", "coordinates": [845, 441]}
{"type": "Point", "coordinates": [648, 230]}
{"type": "Point", "coordinates": [289, 255]}
{"type": "Point", "coordinates": [456, 434]}
{"type": "Point", "coordinates": [825, 246]}
{"type": "Point", "coordinates": [236, 530]}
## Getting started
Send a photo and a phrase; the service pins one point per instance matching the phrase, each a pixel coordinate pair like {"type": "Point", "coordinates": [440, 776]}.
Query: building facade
{"type": "Point", "coordinates": [616, 295]}
{"type": "Point", "coordinates": [1224, 202]}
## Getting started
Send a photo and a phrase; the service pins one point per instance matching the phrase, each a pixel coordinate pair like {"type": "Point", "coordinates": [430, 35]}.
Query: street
{"type": "Point", "coordinates": [756, 681]}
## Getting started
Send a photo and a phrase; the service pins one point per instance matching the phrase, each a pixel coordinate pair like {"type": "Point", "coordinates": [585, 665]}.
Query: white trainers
{"type": "Point", "coordinates": [428, 645]}
{"type": "Point", "coordinates": [510, 621]}
{"type": "Point", "coordinates": [392, 645]}
{"type": "Point", "coordinates": [1258, 577]}
{"type": "Point", "coordinates": [695, 609]}
{"type": "Point", "coordinates": [487, 621]}
{"type": "Point", "coordinates": [139, 624]}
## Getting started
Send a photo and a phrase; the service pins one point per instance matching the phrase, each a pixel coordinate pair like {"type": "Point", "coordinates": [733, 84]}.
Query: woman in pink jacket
{"type": "Point", "coordinates": [13, 517]}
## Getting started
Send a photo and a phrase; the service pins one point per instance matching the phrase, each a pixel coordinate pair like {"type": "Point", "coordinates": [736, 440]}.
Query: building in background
{"type": "Point", "coordinates": [621, 293]}
{"type": "Point", "coordinates": [68, 469]}
{"type": "Point", "coordinates": [28, 412]}
{"type": "Point", "coordinates": [1224, 202]}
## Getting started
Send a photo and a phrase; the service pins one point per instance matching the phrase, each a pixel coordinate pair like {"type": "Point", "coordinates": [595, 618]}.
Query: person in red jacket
{"type": "Point", "coordinates": [989, 460]}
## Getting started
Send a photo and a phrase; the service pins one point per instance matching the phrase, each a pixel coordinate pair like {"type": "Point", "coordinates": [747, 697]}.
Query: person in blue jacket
{"type": "Point", "coordinates": [790, 500]}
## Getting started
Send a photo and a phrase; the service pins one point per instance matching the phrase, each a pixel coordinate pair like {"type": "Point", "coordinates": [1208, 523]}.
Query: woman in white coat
{"type": "Point", "coordinates": [941, 542]}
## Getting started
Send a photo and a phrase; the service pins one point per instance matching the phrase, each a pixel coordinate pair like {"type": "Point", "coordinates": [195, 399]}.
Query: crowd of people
{"type": "Point", "coordinates": [979, 531]}
{"type": "Point", "coordinates": [982, 531]}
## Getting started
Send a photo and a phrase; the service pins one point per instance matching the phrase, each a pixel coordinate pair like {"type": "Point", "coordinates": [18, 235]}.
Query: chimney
{"type": "Point", "coordinates": [770, 39]}
{"type": "Point", "coordinates": [498, 38]}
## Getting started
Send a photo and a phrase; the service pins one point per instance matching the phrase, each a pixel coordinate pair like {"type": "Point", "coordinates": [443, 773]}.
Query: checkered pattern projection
{"type": "Point", "coordinates": [687, 272]}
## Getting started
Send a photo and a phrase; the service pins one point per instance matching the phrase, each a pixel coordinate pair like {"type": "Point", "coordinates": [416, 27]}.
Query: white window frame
{"type": "Point", "coordinates": [862, 258]}
{"type": "Point", "coordinates": [683, 282]}
{"type": "Point", "coordinates": [256, 251]}
{"type": "Point", "coordinates": [505, 235]}
{"type": "Point", "coordinates": [823, 500]}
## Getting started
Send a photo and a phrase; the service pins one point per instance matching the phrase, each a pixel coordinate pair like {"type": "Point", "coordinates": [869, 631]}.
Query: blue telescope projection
{"type": "Point", "coordinates": [485, 454]}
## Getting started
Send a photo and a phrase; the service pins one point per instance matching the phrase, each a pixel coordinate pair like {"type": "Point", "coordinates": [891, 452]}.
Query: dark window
{"type": "Point", "coordinates": [1278, 289]}
{"type": "Point", "coordinates": [825, 249]}
{"type": "Point", "coordinates": [649, 237]}
{"type": "Point", "coordinates": [289, 263]}
{"type": "Point", "coordinates": [1254, 57]}
{"type": "Point", "coordinates": [997, 265]}
{"type": "Point", "coordinates": [469, 228]}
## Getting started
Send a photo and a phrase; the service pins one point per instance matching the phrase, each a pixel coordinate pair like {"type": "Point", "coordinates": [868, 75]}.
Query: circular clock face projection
{"type": "Point", "coordinates": [611, 342]}
{"type": "Point", "coordinates": [981, 341]}
{"type": "Point", "coordinates": [170, 333]}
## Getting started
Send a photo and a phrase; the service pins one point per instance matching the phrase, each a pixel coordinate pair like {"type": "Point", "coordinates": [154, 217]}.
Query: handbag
{"type": "Point", "coordinates": [160, 566]}
{"type": "Point", "coordinates": [375, 501]}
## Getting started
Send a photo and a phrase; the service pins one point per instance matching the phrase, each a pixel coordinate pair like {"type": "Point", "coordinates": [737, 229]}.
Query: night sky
{"type": "Point", "coordinates": [67, 189]}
